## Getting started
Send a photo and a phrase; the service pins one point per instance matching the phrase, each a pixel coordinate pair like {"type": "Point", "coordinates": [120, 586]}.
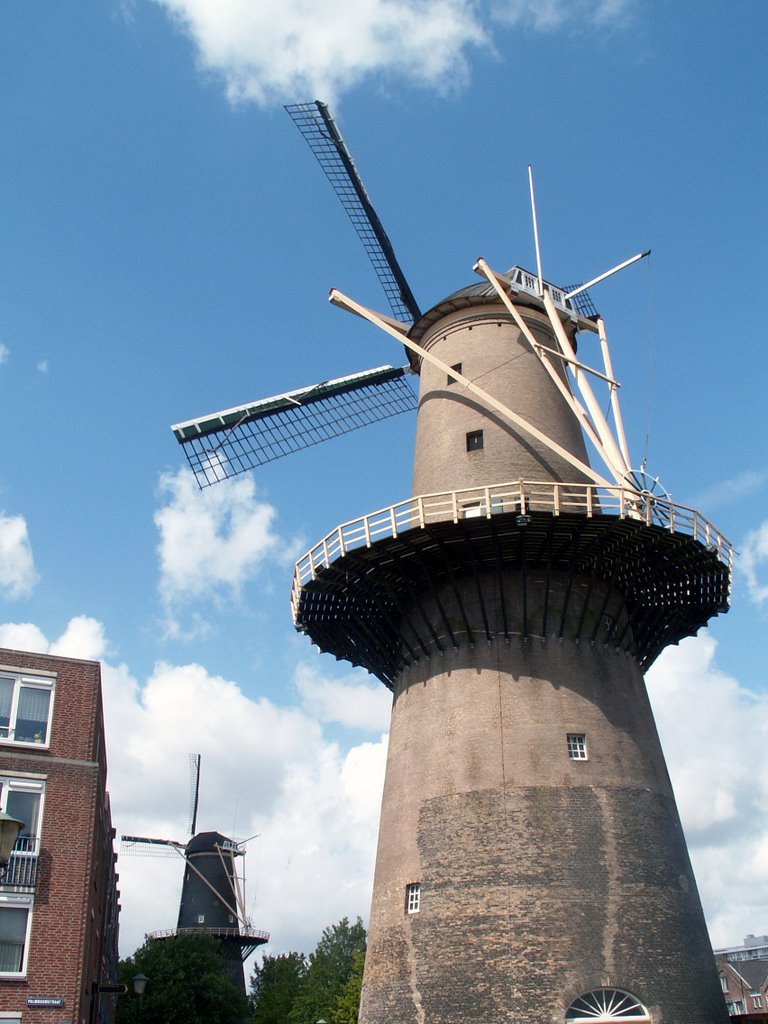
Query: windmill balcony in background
{"type": "Point", "coordinates": [21, 872]}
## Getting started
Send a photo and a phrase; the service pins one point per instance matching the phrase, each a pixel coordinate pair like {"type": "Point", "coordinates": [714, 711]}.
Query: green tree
{"type": "Point", "coordinates": [348, 1001]}
{"type": "Point", "coordinates": [330, 968]}
{"type": "Point", "coordinates": [275, 985]}
{"type": "Point", "coordinates": [188, 984]}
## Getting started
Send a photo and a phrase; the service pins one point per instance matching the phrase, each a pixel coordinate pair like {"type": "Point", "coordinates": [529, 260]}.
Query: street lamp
{"type": "Point", "coordinates": [9, 833]}
{"type": "Point", "coordinates": [139, 982]}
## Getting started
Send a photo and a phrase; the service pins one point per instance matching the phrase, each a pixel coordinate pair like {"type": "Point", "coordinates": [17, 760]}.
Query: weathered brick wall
{"type": "Point", "coordinates": [542, 877]}
{"type": "Point", "coordinates": [76, 865]}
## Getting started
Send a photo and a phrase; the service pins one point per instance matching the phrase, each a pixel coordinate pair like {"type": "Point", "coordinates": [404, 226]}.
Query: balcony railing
{"type": "Point", "coordinates": [521, 497]}
{"type": "Point", "coordinates": [22, 867]}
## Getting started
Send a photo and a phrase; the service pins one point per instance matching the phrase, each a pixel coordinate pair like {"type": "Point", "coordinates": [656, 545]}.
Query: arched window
{"type": "Point", "coordinates": [606, 1004]}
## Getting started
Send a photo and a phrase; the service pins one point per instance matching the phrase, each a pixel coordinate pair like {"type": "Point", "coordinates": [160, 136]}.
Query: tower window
{"type": "Point", "coordinates": [413, 898]}
{"type": "Point", "coordinates": [457, 368]}
{"type": "Point", "coordinates": [577, 746]}
{"type": "Point", "coordinates": [474, 440]}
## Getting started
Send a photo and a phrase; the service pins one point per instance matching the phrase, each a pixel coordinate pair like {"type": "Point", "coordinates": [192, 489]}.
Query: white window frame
{"type": "Point", "coordinates": [413, 898]}
{"type": "Point", "coordinates": [577, 746]}
{"type": "Point", "coordinates": [14, 902]}
{"type": "Point", "coordinates": [757, 1000]}
{"type": "Point", "coordinates": [33, 681]}
{"type": "Point", "coordinates": [724, 982]}
{"type": "Point", "coordinates": [23, 784]}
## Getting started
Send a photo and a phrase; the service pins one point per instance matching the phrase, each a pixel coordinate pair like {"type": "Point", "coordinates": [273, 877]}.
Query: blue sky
{"type": "Point", "coordinates": [168, 243]}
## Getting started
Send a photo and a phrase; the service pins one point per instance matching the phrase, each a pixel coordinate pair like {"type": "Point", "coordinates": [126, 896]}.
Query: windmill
{"type": "Point", "coordinates": [531, 864]}
{"type": "Point", "coordinates": [213, 890]}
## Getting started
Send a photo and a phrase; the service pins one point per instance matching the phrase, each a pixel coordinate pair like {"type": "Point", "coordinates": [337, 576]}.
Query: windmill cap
{"type": "Point", "coordinates": [206, 842]}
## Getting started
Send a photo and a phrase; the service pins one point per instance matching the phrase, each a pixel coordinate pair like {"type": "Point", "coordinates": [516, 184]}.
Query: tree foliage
{"type": "Point", "coordinates": [292, 989]}
{"type": "Point", "coordinates": [330, 967]}
{"type": "Point", "coordinates": [348, 1000]}
{"type": "Point", "coordinates": [188, 984]}
{"type": "Point", "coordinates": [275, 985]}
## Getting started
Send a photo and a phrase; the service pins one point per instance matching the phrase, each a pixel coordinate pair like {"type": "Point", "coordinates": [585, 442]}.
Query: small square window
{"type": "Point", "coordinates": [457, 368]}
{"type": "Point", "coordinates": [413, 898]}
{"type": "Point", "coordinates": [201, 918]}
{"type": "Point", "coordinates": [474, 440]}
{"type": "Point", "coordinates": [757, 1001]}
{"type": "Point", "coordinates": [577, 746]}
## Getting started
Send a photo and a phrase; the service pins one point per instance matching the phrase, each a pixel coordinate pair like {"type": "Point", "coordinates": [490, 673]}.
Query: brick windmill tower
{"type": "Point", "coordinates": [531, 865]}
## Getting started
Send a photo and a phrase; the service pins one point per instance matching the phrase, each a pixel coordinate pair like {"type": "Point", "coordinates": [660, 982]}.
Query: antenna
{"type": "Point", "coordinates": [194, 778]}
{"type": "Point", "coordinates": [535, 230]}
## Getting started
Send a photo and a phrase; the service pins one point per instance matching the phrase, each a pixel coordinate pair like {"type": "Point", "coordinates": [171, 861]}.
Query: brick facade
{"type": "Point", "coordinates": [71, 945]}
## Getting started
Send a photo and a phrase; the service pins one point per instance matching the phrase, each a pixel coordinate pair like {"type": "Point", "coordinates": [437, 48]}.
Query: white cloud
{"type": "Point", "coordinates": [4, 353]}
{"type": "Point", "coordinates": [731, 491]}
{"type": "Point", "coordinates": [551, 15]}
{"type": "Point", "coordinates": [42, 366]}
{"type": "Point", "coordinates": [715, 738]}
{"type": "Point", "coordinates": [270, 770]}
{"type": "Point", "coordinates": [214, 540]}
{"type": "Point", "coordinates": [17, 568]}
{"type": "Point", "coordinates": [754, 553]}
{"type": "Point", "coordinates": [83, 638]}
{"type": "Point", "coordinates": [358, 705]}
{"type": "Point", "coordinates": [280, 50]}
{"type": "Point", "coordinates": [266, 770]}
{"type": "Point", "coordinates": [23, 636]}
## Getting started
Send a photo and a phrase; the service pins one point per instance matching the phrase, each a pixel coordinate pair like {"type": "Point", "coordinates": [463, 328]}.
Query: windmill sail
{"type": "Point", "coordinates": [234, 441]}
{"type": "Point", "coordinates": [319, 129]}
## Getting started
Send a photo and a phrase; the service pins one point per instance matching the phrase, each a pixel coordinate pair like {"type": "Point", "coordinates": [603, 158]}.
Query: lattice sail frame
{"type": "Point", "coordinates": [234, 441]}
{"type": "Point", "coordinates": [319, 129]}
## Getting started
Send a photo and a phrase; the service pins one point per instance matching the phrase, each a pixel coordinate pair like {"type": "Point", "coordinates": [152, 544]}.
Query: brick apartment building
{"type": "Point", "coordinates": [58, 895]}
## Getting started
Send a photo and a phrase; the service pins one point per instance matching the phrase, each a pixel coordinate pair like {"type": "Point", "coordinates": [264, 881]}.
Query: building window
{"type": "Point", "coordinates": [413, 898]}
{"type": "Point", "coordinates": [757, 1001]}
{"type": "Point", "coordinates": [14, 931]}
{"type": "Point", "coordinates": [474, 440]}
{"type": "Point", "coordinates": [25, 708]}
{"type": "Point", "coordinates": [577, 746]}
{"type": "Point", "coordinates": [735, 1008]}
{"type": "Point", "coordinates": [606, 1004]}
{"type": "Point", "coordinates": [22, 799]}
{"type": "Point", "coordinates": [457, 368]}
{"type": "Point", "coordinates": [723, 983]}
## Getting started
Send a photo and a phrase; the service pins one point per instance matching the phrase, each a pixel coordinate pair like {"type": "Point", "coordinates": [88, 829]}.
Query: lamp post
{"type": "Point", "coordinates": [139, 982]}
{"type": "Point", "coordinates": [9, 833]}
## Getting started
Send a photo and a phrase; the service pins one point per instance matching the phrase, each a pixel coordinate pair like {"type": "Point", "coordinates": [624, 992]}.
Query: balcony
{"type": "Point", "coordinates": [22, 867]}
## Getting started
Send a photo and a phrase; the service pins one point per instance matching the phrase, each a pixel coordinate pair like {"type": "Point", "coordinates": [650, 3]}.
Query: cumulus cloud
{"type": "Point", "coordinates": [4, 353]}
{"type": "Point", "coordinates": [267, 771]}
{"type": "Point", "coordinates": [715, 736]}
{"type": "Point", "coordinates": [278, 50]}
{"type": "Point", "coordinates": [213, 541]}
{"type": "Point", "coordinates": [357, 703]}
{"type": "Point", "coordinates": [17, 567]}
{"type": "Point", "coordinates": [271, 770]}
{"type": "Point", "coordinates": [733, 490]}
{"type": "Point", "coordinates": [551, 15]}
{"type": "Point", "coordinates": [751, 562]}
